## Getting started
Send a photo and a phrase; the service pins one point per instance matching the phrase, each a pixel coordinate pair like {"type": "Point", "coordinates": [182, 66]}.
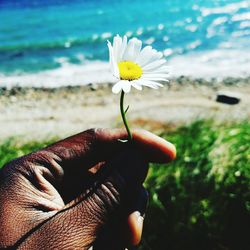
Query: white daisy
{"type": "Point", "coordinates": [134, 66]}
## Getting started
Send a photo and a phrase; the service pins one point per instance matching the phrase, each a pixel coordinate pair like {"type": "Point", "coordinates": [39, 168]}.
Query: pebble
{"type": "Point", "coordinates": [228, 97]}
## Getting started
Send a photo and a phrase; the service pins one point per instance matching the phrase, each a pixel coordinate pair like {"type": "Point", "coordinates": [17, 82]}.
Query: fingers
{"type": "Point", "coordinates": [126, 234]}
{"type": "Point", "coordinates": [136, 218]}
{"type": "Point", "coordinates": [135, 225]}
{"type": "Point", "coordinates": [77, 225]}
{"type": "Point", "coordinates": [102, 207]}
{"type": "Point", "coordinates": [155, 148]}
{"type": "Point", "coordinates": [92, 146]}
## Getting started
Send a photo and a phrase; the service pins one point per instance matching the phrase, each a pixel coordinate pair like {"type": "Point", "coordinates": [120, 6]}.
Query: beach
{"type": "Point", "coordinates": [55, 78]}
{"type": "Point", "coordinates": [56, 81]}
{"type": "Point", "coordinates": [33, 114]}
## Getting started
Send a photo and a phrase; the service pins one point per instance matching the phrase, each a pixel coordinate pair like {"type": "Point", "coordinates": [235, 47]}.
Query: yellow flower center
{"type": "Point", "coordinates": [129, 70]}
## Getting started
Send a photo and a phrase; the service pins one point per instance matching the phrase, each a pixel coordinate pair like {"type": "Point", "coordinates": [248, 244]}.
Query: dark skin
{"type": "Point", "coordinates": [86, 190]}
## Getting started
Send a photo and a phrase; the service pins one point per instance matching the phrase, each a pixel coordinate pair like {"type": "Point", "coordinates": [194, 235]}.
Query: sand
{"type": "Point", "coordinates": [34, 114]}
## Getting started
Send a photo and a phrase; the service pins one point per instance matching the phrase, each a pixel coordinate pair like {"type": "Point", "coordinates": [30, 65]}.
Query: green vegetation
{"type": "Point", "coordinates": [12, 148]}
{"type": "Point", "coordinates": [201, 200]}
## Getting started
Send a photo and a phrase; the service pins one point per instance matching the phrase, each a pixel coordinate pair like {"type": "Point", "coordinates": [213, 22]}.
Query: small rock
{"type": "Point", "coordinates": [93, 86]}
{"type": "Point", "coordinates": [228, 97]}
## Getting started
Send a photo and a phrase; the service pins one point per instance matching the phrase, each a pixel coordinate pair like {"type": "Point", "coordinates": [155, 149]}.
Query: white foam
{"type": "Point", "coordinates": [219, 63]}
{"type": "Point", "coordinates": [227, 9]}
{"type": "Point", "coordinates": [241, 17]}
{"type": "Point", "coordinates": [68, 75]}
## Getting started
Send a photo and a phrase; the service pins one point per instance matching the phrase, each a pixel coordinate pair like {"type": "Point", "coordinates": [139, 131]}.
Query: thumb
{"type": "Point", "coordinates": [78, 225]}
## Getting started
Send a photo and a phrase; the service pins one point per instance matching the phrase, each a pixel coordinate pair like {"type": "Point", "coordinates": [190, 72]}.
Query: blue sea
{"type": "Point", "coordinates": [59, 42]}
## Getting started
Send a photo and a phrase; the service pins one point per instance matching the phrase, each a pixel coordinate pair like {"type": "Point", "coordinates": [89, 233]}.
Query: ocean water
{"type": "Point", "coordinates": [55, 43]}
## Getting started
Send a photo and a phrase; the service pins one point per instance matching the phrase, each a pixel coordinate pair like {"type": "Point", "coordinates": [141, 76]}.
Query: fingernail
{"type": "Point", "coordinates": [140, 219]}
{"type": "Point", "coordinates": [137, 214]}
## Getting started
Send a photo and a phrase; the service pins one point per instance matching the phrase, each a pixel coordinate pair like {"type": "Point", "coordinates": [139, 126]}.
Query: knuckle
{"type": "Point", "coordinates": [108, 195]}
{"type": "Point", "coordinates": [92, 132]}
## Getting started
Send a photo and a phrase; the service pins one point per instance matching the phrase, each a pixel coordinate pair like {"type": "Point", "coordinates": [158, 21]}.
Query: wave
{"type": "Point", "coordinates": [57, 44]}
{"type": "Point", "coordinates": [219, 63]}
{"type": "Point", "coordinates": [68, 75]}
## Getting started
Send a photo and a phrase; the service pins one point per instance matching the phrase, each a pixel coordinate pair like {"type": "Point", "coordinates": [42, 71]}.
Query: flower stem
{"type": "Point", "coordinates": [123, 114]}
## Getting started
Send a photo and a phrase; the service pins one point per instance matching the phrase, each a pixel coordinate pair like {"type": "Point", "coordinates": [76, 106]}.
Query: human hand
{"type": "Point", "coordinates": [79, 192]}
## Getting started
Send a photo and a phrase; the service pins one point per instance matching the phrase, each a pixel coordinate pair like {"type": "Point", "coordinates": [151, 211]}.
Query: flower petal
{"type": "Point", "coordinates": [162, 70]}
{"type": "Point", "coordinates": [133, 49]}
{"type": "Point", "coordinates": [155, 55]}
{"type": "Point", "coordinates": [136, 84]}
{"type": "Point", "coordinates": [155, 77]}
{"type": "Point", "coordinates": [154, 65]}
{"type": "Point", "coordinates": [123, 48]}
{"type": "Point", "coordinates": [113, 64]}
{"type": "Point", "coordinates": [117, 87]}
{"type": "Point", "coordinates": [144, 55]}
{"type": "Point", "coordinates": [148, 55]}
{"type": "Point", "coordinates": [126, 86]}
{"type": "Point", "coordinates": [158, 79]}
{"type": "Point", "coordinates": [137, 48]}
{"type": "Point", "coordinates": [150, 84]}
{"type": "Point", "coordinates": [117, 43]}
{"type": "Point", "coordinates": [152, 74]}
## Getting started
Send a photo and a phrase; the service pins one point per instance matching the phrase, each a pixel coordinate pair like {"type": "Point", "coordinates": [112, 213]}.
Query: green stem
{"type": "Point", "coordinates": [123, 114]}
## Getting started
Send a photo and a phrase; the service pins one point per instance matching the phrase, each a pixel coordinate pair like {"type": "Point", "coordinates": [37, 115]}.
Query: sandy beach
{"type": "Point", "coordinates": [32, 114]}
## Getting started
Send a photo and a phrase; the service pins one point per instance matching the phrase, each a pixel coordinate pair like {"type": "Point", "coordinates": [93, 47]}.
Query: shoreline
{"type": "Point", "coordinates": [36, 113]}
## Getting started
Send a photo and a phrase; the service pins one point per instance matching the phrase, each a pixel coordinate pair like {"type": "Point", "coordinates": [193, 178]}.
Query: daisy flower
{"type": "Point", "coordinates": [134, 66]}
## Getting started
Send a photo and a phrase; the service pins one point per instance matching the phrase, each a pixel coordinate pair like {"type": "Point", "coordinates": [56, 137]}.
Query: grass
{"type": "Point", "coordinates": [201, 200]}
{"type": "Point", "coordinates": [12, 148]}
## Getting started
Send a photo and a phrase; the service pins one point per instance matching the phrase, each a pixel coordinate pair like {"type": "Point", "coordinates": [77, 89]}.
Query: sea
{"type": "Point", "coordinates": [46, 43]}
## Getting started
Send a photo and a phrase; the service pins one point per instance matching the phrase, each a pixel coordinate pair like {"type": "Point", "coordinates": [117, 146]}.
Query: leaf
{"type": "Point", "coordinates": [127, 109]}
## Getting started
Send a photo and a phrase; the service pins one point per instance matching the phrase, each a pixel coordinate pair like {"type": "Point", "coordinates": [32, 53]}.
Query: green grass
{"type": "Point", "coordinates": [13, 148]}
{"type": "Point", "coordinates": [201, 200]}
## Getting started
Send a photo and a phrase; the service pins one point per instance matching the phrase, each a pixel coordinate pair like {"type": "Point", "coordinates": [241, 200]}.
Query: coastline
{"type": "Point", "coordinates": [38, 113]}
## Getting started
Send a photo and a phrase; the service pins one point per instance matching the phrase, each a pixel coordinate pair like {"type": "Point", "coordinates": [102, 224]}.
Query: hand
{"type": "Point", "coordinates": [79, 192]}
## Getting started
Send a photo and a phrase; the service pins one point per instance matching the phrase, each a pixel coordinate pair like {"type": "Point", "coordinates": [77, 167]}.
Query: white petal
{"type": "Point", "coordinates": [129, 52]}
{"type": "Point", "coordinates": [154, 65]}
{"type": "Point", "coordinates": [155, 55]}
{"type": "Point", "coordinates": [148, 55]}
{"type": "Point", "coordinates": [156, 77]}
{"type": "Point", "coordinates": [153, 74]}
{"type": "Point", "coordinates": [150, 84]}
{"type": "Point", "coordinates": [162, 70]}
{"type": "Point", "coordinates": [136, 84]}
{"type": "Point", "coordinates": [144, 83]}
{"type": "Point", "coordinates": [132, 50]}
{"type": "Point", "coordinates": [126, 86]}
{"type": "Point", "coordinates": [117, 87]}
{"type": "Point", "coordinates": [123, 48]}
{"type": "Point", "coordinates": [137, 48]}
{"type": "Point", "coordinates": [113, 64]}
{"type": "Point", "coordinates": [144, 55]}
{"type": "Point", "coordinates": [117, 43]}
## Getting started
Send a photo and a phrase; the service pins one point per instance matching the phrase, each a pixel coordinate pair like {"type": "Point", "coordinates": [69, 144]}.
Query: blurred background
{"type": "Point", "coordinates": [57, 36]}
{"type": "Point", "coordinates": [55, 81]}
